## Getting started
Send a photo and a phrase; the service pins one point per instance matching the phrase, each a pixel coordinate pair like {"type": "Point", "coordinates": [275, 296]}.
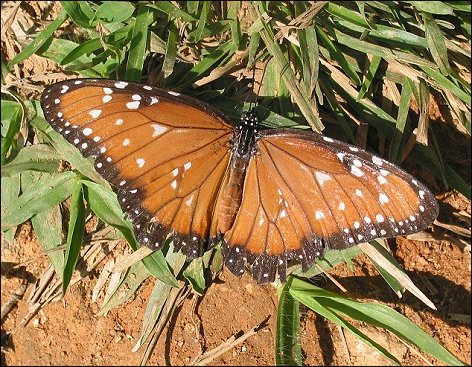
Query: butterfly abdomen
{"type": "Point", "coordinates": [244, 147]}
{"type": "Point", "coordinates": [232, 192]}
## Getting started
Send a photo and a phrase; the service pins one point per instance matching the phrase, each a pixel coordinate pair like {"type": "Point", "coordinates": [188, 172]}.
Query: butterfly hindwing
{"type": "Point", "coordinates": [316, 192]}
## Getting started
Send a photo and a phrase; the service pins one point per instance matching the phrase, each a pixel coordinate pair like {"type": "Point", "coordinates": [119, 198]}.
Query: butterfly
{"type": "Point", "coordinates": [184, 171]}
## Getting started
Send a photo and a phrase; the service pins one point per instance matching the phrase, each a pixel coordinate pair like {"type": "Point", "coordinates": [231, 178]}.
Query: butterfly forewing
{"type": "Point", "coordinates": [320, 193]}
{"type": "Point", "coordinates": [166, 153]}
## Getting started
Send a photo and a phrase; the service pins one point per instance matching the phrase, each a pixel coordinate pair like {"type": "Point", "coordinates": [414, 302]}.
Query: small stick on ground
{"type": "Point", "coordinates": [214, 353]}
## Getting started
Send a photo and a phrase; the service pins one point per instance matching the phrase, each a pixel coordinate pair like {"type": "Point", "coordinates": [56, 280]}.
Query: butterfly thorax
{"type": "Point", "coordinates": [244, 143]}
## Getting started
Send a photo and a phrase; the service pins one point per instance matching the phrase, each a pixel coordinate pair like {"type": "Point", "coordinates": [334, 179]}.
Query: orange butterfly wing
{"type": "Point", "coordinates": [304, 193]}
{"type": "Point", "coordinates": [166, 153]}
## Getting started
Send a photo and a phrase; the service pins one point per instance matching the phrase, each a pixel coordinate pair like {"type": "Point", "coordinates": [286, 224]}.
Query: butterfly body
{"type": "Point", "coordinates": [183, 171]}
{"type": "Point", "coordinates": [243, 148]}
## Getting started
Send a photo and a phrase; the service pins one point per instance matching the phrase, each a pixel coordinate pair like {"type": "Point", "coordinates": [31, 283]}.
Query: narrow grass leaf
{"type": "Point", "coordinates": [385, 52]}
{"type": "Point", "coordinates": [45, 194]}
{"type": "Point", "coordinates": [298, 93]}
{"type": "Point", "coordinates": [171, 50]}
{"type": "Point", "coordinates": [395, 152]}
{"type": "Point", "coordinates": [11, 122]}
{"type": "Point", "coordinates": [322, 301]}
{"type": "Point", "coordinates": [369, 75]}
{"type": "Point", "coordinates": [196, 35]}
{"type": "Point", "coordinates": [442, 81]}
{"type": "Point", "coordinates": [138, 45]}
{"type": "Point", "coordinates": [377, 315]}
{"type": "Point", "coordinates": [40, 39]}
{"type": "Point", "coordinates": [436, 43]}
{"type": "Point", "coordinates": [75, 234]}
{"type": "Point", "coordinates": [337, 55]}
{"type": "Point", "coordinates": [47, 226]}
{"type": "Point", "coordinates": [424, 101]}
{"type": "Point", "coordinates": [287, 340]}
{"type": "Point", "coordinates": [10, 190]}
{"type": "Point", "coordinates": [59, 48]}
{"type": "Point", "coordinates": [39, 157]}
{"type": "Point", "coordinates": [173, 11]}
{"type": "Point", "coordinates": [433, 7]}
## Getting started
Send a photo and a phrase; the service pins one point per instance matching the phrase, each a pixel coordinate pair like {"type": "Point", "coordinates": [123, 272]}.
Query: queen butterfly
{"type": "Point", "coordinates": [271, 195]}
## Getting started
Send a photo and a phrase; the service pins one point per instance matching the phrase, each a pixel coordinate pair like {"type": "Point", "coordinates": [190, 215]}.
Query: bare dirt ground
{"type": "Point", "coordinates": [70, 332]}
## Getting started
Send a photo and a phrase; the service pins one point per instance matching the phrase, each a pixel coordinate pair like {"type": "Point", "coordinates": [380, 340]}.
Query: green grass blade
{"type": "Point", "coordinates": [47, 225]}
{"type": "Point", "coordinates": [287, 340]}
{"type": "Point", "coordinates": [138, 45]}
{"type": "Point", "coordinates": [395, 152]}
{"type": "Point", "coordinates": [40, 157]}
{"type": "Point", "coordinates": [437, 46]}
{"type": "Point", "coordinates": [373, 313]}
{"type": "Point", "coordinates": [171, 50]}
{"type": "Point", "coordinates": [43, 195]}
{"type": "Point", "coordinates": [75, 234]}
{"type": "Point", "coordinates": [10, 190]}
{"type": "Point", "coordinates": [11, 122]}
{"type": "Point", "coordinates": [40, 39]}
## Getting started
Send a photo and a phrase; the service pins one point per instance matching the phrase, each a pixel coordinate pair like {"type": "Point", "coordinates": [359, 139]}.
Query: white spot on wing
{"type": "Point", "coordinates": [64, 89]}
{"type": "Point", "coordinates": [158, 130]}
{"type": "Point", "coordinates": [356, 171]}
{"type": "Point", "coordinates": [147, 87]}
{"type": "Point", "coordinates": [340, 156]}
{"type": "Point", "coordinates": [107, 90]}
{"type": "Point", "coordinates": [95, 113]}
{"type": "Point", "coordinates": [381, 180]}
{"type": "Point", "coordinates": [174, 184]}
{"type": "Point", "coordinates": [173, 93]}
{"type": "Point", "coordinates": [187, 165]}
{"type": "Point", "coordinates": [126, 142]}
{"type": "Point", "coordinates": [421, 193]}
{"type": "Point", "coordinates": [358, 192]}
{"type": "Point", "coordinates": [342, 206]}
{"type": "Point", "coordinates": [140, 162]}
{"type": "Point", "coordinates": [87, 131]}
{"type": "Point", "coordinates": [329, 140]}
{"type": "Point", "coordinates": [133, 105]}
{"type": "Point", "coordinates": [383, 198]}
{"type": "Point", "coordinates": [119, 122]}
{"type": "Point", "coordinates": [357, 163]}
{"type": "Point", "coordinates": [377, 161]}
{"type": "Point", "coordinates": [283, 214]}
{"type": "Point", "coordinates": [121, 85]}
{"type": "Point", "coordinates": [354, 149]}
{"type": "Point", "coordinates": [319, 214]}
{"type": "Point", "coordinates": [175, 172]}
{"type": "Point", "coordinates": [154, 100]}
{"type": "Point", "coordinates": [136, 97]}
{"type": "Point", "coordinates": [189, 201]}
{"type": "Point", "coordinates": [321, 177]}
{"type": "Point", "coordinates": [379, 218]}
{"type": "Point", "coordinates": [106, 99]}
